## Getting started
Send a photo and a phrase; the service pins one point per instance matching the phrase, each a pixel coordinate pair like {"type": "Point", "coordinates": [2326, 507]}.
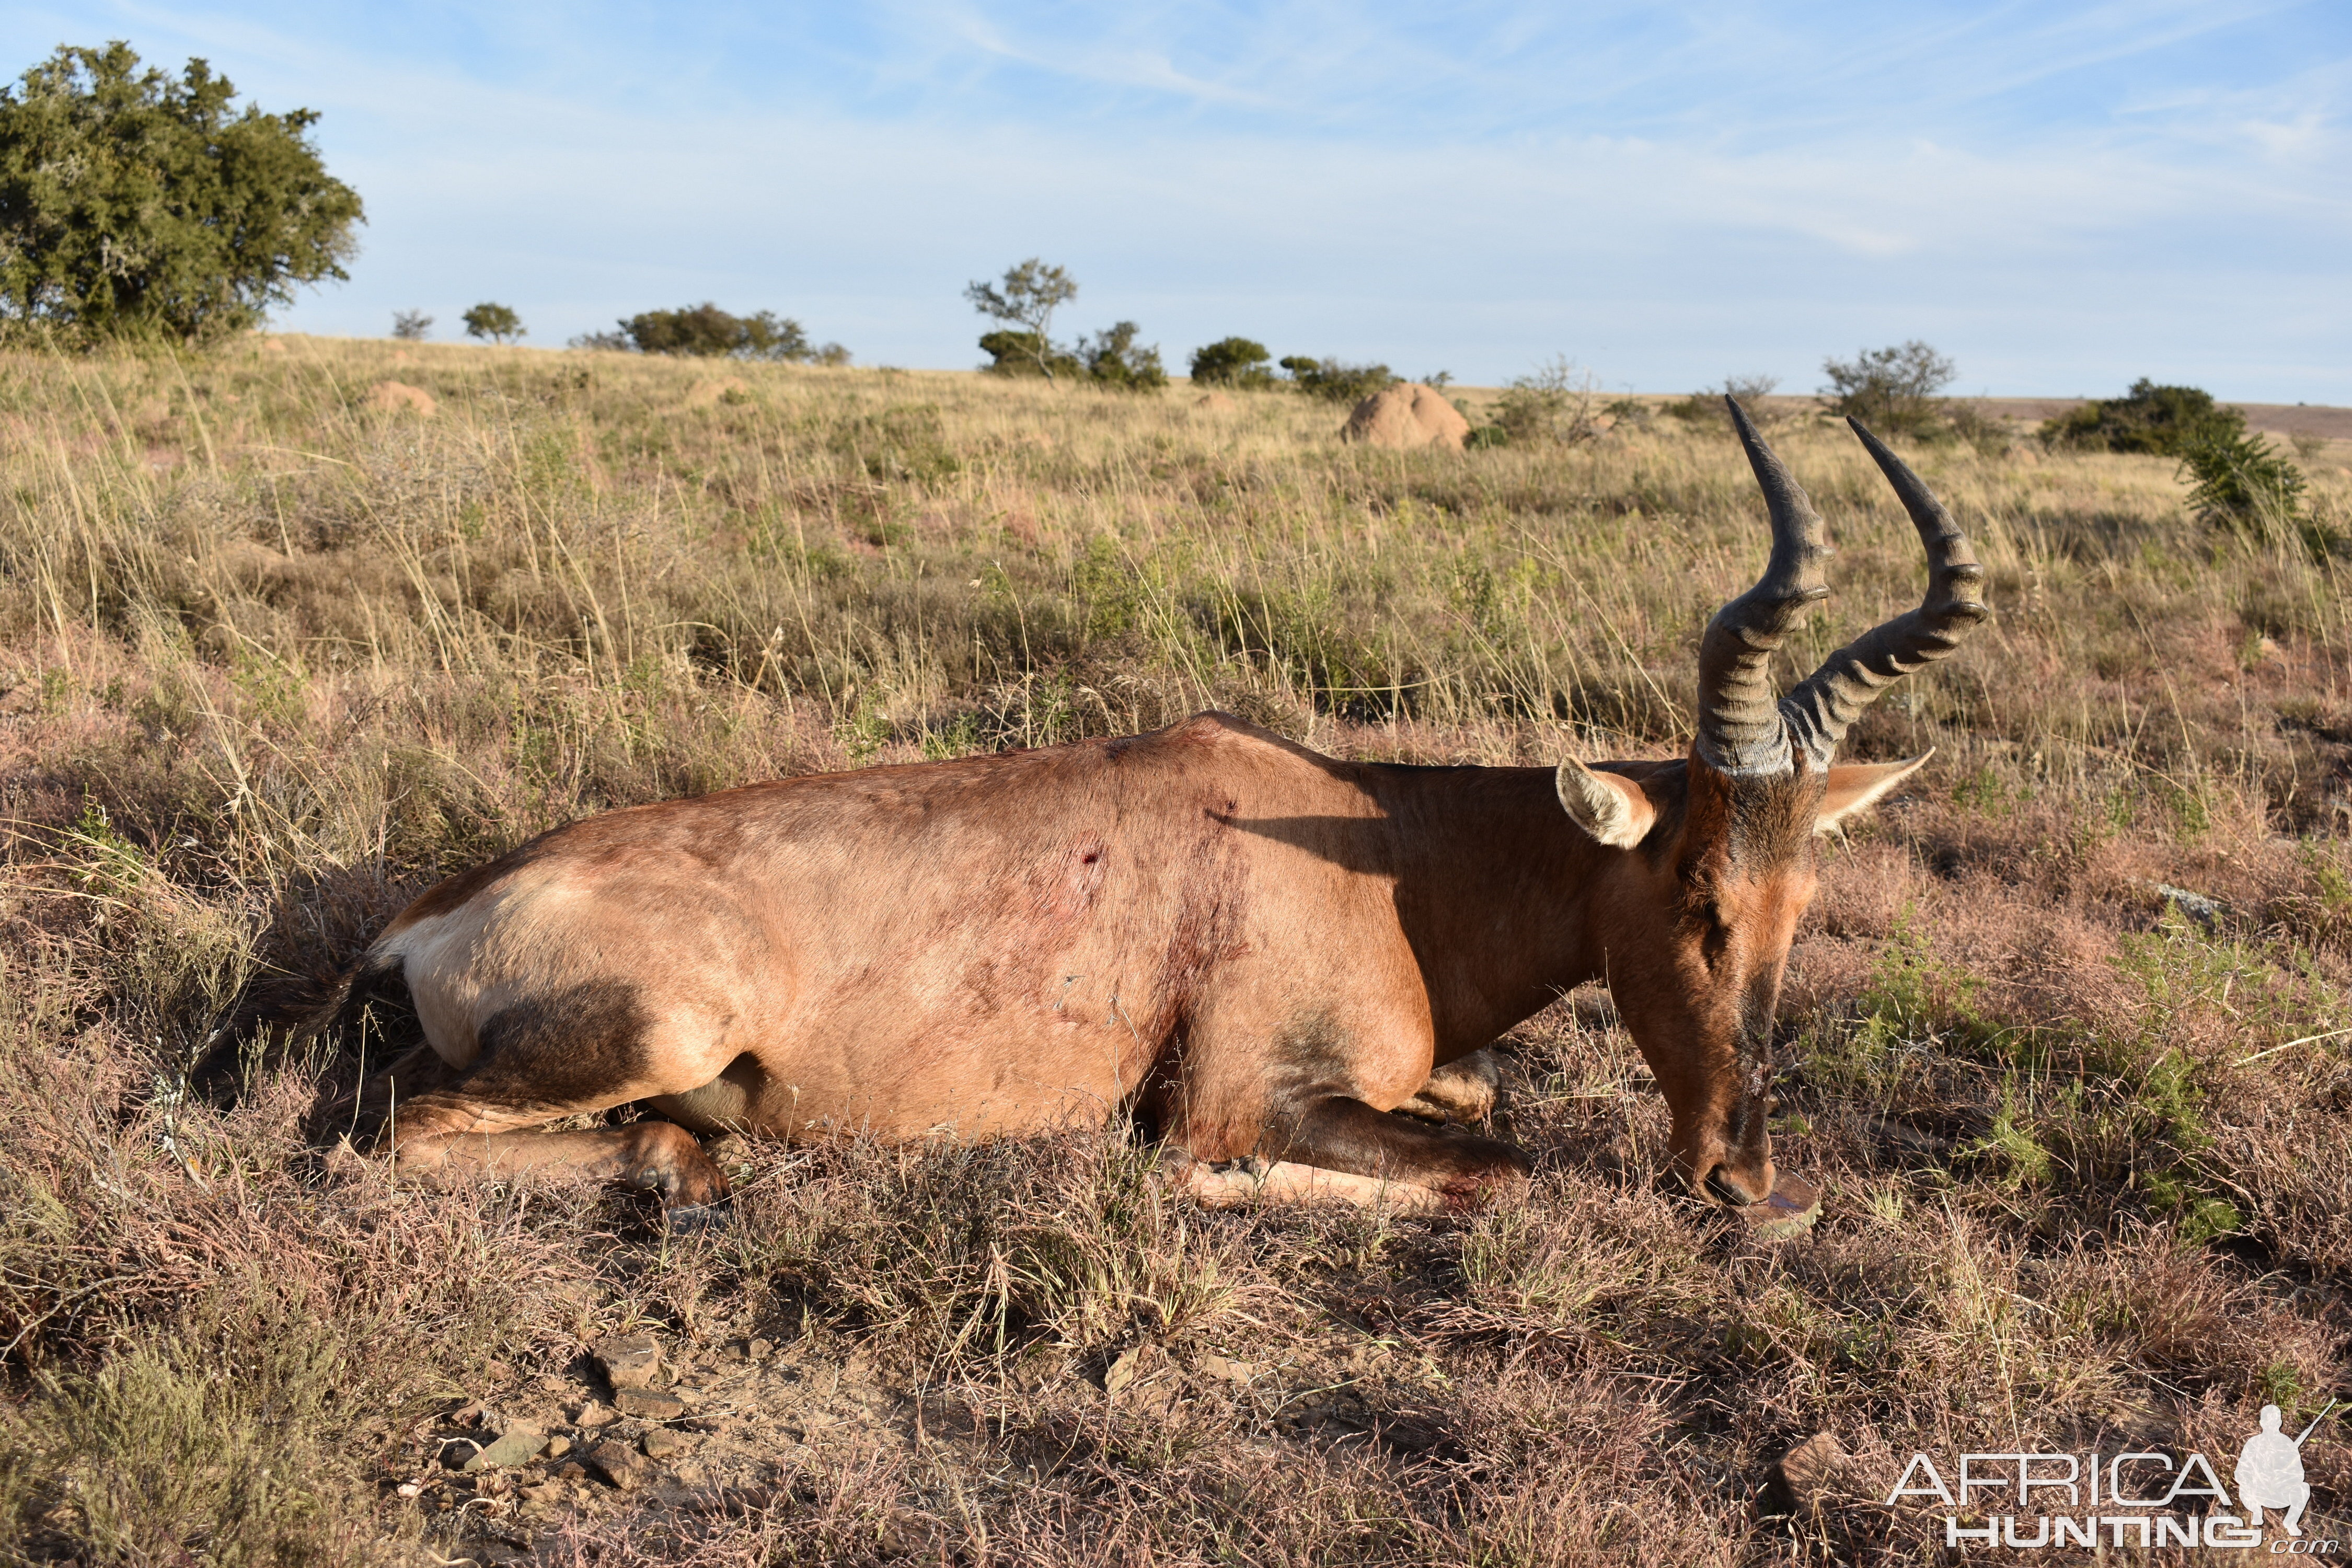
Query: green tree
{"type": "Point", "coordinates": [1115, 359]}
{"type": "Point", "coordinates": [411, 326]}
{"type": "Point", "coordinates": [1890, 389]}
{"type": "Point", "coordinates": [136, 206]}
{"type": "Point", "coordinates": [1339, 382]}
{"type": "Point", "coordinates": [2167, 421]}
{"type": "Point", "coordinates": [708, 331]}
{"type": "Point", "coordinates": [496, 323]}
{"type": "Point", "coordinates": [1025, 302]}
{"type": "Point", "coordinates": [1025, 353]}
{"type": "Point", "coordinates": [1231, 361]}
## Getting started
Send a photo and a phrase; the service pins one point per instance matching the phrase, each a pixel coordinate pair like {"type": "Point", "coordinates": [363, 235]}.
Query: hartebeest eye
{"type": "Point", "coordinates": [1714, 929]}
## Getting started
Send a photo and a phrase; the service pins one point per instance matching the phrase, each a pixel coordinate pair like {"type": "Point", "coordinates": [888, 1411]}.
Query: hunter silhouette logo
{"type": "Point", "coordinates": [2138, 1499]}
{"type": "Point", "coordinates": [2270, 1472]}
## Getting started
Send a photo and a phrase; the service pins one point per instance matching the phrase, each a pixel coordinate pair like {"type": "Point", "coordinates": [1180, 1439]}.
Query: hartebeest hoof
{"type": "Point", "coordinates": [664, 1158]}
{"type": "Point", "coordinates": [1795, 1204]}
{"type": "Point", "coordinates": [699, 1217]}
{"type": "Point", "coordinates": [1462, 1092]}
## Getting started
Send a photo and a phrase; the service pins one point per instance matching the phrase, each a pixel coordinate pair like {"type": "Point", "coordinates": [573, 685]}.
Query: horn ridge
{"type": "Point", "coordinates": [1827, 703]}
{"type": "Point", "coordinates": [1740, 730]}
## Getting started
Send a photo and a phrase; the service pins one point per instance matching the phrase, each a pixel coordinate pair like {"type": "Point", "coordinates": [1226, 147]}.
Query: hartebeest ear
{"type": "Point", "coordinates": [1858, 786]}
{"type": "Point", "coordinates": [1612, 809]}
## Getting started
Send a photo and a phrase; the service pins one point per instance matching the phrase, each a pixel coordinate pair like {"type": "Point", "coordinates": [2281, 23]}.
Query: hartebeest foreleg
{"type": "Point", "coordinates": [1336, 1149]}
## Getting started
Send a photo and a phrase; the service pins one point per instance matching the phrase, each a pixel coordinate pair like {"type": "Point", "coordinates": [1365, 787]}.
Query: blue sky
{"type": "Point", "coordinates": [2061, 196]}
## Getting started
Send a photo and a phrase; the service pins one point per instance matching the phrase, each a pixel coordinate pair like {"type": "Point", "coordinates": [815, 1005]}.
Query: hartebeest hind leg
{"type": "Point", "coordinates": [580, 1055]}
{"type": "Point", "coordinates": [1462, 1092]}
{"type": "Point", "coordinates": [450, 1131]}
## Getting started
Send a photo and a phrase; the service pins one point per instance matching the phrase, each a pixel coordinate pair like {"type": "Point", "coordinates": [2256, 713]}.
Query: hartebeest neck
{"type": "Point", "coordinates": [1500, 894]}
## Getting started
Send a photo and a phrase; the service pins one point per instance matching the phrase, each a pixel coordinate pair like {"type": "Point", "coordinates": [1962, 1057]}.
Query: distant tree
{"type": "Point", "coordinates": [706, 332]}
{"type": "Point", "coordinates": [1026, 354]}
{"type": "Point", "coordinates": [1114, 359]}
{"type": "Point", "coordinates": [134, 204]}
{"type": "Point", "coordinates": [1025, 302]}
{"type": "Point", "coordinates": [496, 323]}
{"type": "Point", "coordinates": [709, 332]}
{"type": "Point", "coordinates": [411, 326]}
{"type": "Point", "coordinates": [1231, 361]}
{"type": "Point", "coordinates": [1890, 389]}
{"type": "Point", "coordinates": [2163, 420]}
{"type": "Point", "coordinates": [1337, 381]}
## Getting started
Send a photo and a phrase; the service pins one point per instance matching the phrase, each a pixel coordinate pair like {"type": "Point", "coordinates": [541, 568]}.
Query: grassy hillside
{"type": "Point", "coordinates": [277, 650]}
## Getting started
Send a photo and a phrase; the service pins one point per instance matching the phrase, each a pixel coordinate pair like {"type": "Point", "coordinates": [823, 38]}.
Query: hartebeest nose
{"type": "Point", "coordinates": [1731, 1183]}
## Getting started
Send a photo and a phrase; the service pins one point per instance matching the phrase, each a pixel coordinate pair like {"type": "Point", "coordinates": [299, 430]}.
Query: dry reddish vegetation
{"type": "Point", "coordinates": [275, 656]}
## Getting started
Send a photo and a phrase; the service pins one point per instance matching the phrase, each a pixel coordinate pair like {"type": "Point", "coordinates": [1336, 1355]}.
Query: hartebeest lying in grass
{"type": "Point", "coordinates": [1260, 951]}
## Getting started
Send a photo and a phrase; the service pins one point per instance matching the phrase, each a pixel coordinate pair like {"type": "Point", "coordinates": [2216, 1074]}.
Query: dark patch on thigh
{"type": "Point", "coordinates": [576, 1047]}
{"type": "Point", "coordinates": [1308, 1058]}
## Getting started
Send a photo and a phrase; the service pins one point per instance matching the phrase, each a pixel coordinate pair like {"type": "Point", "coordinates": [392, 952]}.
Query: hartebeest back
{"type": "Point", "coordinates": [1258, 950]}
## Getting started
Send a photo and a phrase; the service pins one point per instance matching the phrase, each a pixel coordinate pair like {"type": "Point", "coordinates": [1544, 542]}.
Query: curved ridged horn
{"type": "Point", "coordinates": [1740, 728]}
{"type": "Point", "coordinates": [1825, 707]}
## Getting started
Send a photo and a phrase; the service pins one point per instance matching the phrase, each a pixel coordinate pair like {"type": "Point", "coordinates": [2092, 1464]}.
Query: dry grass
{"type": "Point", "coordinates": [274, 659]}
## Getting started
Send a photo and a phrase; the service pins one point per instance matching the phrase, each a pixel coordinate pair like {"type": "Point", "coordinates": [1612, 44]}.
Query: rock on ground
{"type": "Point", "coordinates": [1809, 1470]}
{"type": "Point", "coordinates": [629, 1361]}
{"type": "Point", "coordinates": [1407, 414]}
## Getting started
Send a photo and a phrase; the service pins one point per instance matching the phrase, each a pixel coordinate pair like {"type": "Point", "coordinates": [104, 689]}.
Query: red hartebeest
{"type": "Point", "coordinates": [1259, 950]}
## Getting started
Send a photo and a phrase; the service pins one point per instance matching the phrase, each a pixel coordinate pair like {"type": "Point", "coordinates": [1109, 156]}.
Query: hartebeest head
{"type": "Point", "coordinates": [1719, 847]}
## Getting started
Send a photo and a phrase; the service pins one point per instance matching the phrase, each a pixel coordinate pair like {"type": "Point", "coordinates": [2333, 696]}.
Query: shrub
{"type": "Point", "coordinates": [1231, 361]}
{"type": "Point", "coordinates": [1553, 404]}
{"type": "Point", "coordinates": [136, 205]}
{"type": "Point", "coordinates": [2164, 420]}
{"type": "Point", "coordinates": [411, 326]}
{"type": "Point", "coordinates": [1113, 359]}
{"type": "Point", "coordinates": [2243, 482]}
{"type": "Point", "coordinates": [1629, 412]}
{"type": "Point", "coordinates": [496, 323]}
{"type": "Point", "coordinates": [706, 332]}
{"type": "Point", "coordinates": [1988, 435]}
{"type": "Point", "coordinates": [1335, 381]}
{"type": "Point", "coordinates": [1025, 302]}
{"type": "Point", "coordinates": [1705, 407]}
{"type": "Point", "coordinates": [1026, 354]}
{"type": "Point", "coordinates": [1890, 389]}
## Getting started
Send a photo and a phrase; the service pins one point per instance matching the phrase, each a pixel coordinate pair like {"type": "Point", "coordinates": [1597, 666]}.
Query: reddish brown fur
{"type": "Point", "coordinates": [1257, 947]}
